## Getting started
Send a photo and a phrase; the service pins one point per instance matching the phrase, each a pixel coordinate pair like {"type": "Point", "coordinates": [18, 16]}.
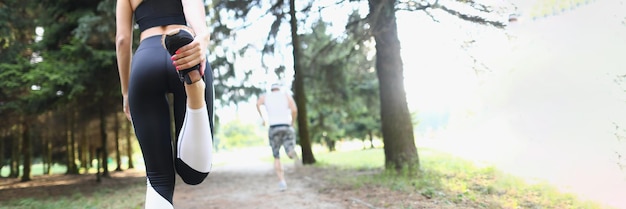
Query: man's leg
{"type": "Point", "coordinates": [275, 137]}
{"type": "Point", "coordinates": [280, 173]}
{"type": "Point", "coordinates": [289, 142]}
{"type": "Point", "coordinates": [296, 160]}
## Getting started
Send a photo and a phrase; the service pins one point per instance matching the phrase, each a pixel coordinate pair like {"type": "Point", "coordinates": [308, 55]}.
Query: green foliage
{"type": "Point", "coordinates": [16, 27]}
{"type": "Point", "coordinates": [16, 37]}
{"type": "Point", "coordinates": [343, 88]}
{"type": "Point", "coordinates": [96, 28]}
{"type": "Point", "coordinates": [13, 80]}
{"type": "Point", "coordinates": [68, 64]}
{"type": "Point", "coordinates": [238, 134]}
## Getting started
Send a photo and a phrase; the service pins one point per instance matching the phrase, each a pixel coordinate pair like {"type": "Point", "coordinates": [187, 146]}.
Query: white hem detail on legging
{"type": "Point", "coordinates": [195, 144]}
{"type": "Point", "coordinates": [155, 201]}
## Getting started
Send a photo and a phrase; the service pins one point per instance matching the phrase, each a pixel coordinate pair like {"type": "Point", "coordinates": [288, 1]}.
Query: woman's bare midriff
{"type": "Point", "coordinates": [160, 30]}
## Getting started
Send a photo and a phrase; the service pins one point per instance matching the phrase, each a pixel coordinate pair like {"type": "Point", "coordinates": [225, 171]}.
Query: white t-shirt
{"type": "Point", "coordinates": [277, 107]}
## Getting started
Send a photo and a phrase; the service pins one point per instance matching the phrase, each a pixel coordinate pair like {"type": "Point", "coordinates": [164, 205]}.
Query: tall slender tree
{"type": "Point", "coordinates": [129, 145]}
{"type": "Point", "coordinates": [2, 142]}
{"type": "Point", "coordinates": [14, 171]}
{"type": "Point", "coordinates": [26, 151]}
{"type": "Point", "coordinates": [397, 129]}
{"type": "Point", "coordinates": [116, 130]}
{"type": "Point", "coordinates": [300, 94]}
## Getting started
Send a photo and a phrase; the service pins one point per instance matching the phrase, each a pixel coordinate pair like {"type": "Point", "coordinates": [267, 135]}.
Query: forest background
{"type": "Point", "coordinates": [544, 88]}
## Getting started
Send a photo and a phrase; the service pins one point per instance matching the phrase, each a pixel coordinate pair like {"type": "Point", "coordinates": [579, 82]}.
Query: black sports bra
{"type": "Point", "coordinates": [151, 13]}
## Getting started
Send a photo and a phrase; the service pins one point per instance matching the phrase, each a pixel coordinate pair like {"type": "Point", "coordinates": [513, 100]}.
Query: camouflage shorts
{"type": "Point", "coordinates": [282, 135]}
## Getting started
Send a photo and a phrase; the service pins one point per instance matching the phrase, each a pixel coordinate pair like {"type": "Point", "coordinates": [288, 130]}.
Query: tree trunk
{"type": "Point", "coordinates": [44, 151]}
{"type": "Point", "coordinates": [99, 161]}
{"type": "Point", "coordinates": [47, 158]}
{"type": "Point", "coordinates": [371, 138]}
{"type": "Point", "coordinates": [45, 137]}
{"type": "Point", "coordinates": [2, 139]}
{"type": "Point", "coordinates": [129, 145]}
{"type": "Point", "coordinates": [15, 157]}
{"type": "Point", "coordinates": [103, 138]}
{"type": "Point", "coordinates": [69, 135]}
{"type": "Point", "coordinates": [118, 155]}
{"type": "Point", "coordinates": [303, 124]}
{"type": "Point", "coordinates": [26, 151]}
{"type": "Point", "coordinates": [85, 162]}
{"type": "Point", "coordinates": [330, 143]}
{"type": "Point", "coordinates": [74, 144]}
{"type": "Point", "coordinates": [397, 129]}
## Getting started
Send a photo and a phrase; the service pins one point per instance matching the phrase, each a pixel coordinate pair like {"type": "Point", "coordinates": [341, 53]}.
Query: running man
{"type": "Point", "coordinates": [281, 114]}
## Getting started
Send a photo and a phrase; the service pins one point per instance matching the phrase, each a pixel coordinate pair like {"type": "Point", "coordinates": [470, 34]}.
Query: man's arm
{"type": "Point", "coordinates": [293, 108]}
{"type": "Point", "coordinates": [260, 102]}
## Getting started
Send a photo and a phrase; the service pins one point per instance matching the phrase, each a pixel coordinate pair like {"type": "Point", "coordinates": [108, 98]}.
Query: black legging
{"type": "Point", "coordinates": [152, 77]}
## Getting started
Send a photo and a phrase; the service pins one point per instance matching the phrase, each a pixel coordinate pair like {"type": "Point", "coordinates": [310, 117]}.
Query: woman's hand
{"type": "Point", "coordinates": [126, 107]}
{"type": "Point", "coordinates": [192, 54]}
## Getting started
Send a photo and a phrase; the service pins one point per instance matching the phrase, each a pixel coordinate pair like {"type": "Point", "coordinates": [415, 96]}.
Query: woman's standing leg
{"type": "Point", "coordinates": [151, 119]}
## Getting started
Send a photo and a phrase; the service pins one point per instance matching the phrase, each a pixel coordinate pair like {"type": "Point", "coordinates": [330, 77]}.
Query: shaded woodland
{"type": "Point", "coordinates": [59, 88]}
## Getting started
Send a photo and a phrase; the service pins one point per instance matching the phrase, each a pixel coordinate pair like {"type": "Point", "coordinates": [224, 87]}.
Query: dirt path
{"type": "Point", "coordinates": [255, 188]}
{"type": "Point", "coordinates": [241, 180]}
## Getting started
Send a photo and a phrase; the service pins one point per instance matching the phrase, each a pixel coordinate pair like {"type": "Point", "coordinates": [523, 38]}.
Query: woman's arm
{"type": "Point", "coordinates": [194, 53]}
{"type": "Point", "coordinates": [123, 46]}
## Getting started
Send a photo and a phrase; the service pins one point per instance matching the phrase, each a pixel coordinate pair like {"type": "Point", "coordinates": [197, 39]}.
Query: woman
{"type": "Point", "coordinates": [148, 75]}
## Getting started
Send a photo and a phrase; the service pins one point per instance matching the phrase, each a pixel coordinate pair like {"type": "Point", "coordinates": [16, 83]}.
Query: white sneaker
{"type": "Point", "coordinates": [282, 186]}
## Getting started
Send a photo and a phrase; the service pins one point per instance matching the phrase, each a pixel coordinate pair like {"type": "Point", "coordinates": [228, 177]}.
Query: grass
{"type": "Point", "coordinates": [130, 197]}
{"type": "Point", "coordinates": [36, 169]}
{"type": "Point", "coordinates": [453, 180]}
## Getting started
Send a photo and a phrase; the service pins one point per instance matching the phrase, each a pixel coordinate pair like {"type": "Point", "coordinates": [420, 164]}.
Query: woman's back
{"type": "Point", "coordinates": [152, 13]}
